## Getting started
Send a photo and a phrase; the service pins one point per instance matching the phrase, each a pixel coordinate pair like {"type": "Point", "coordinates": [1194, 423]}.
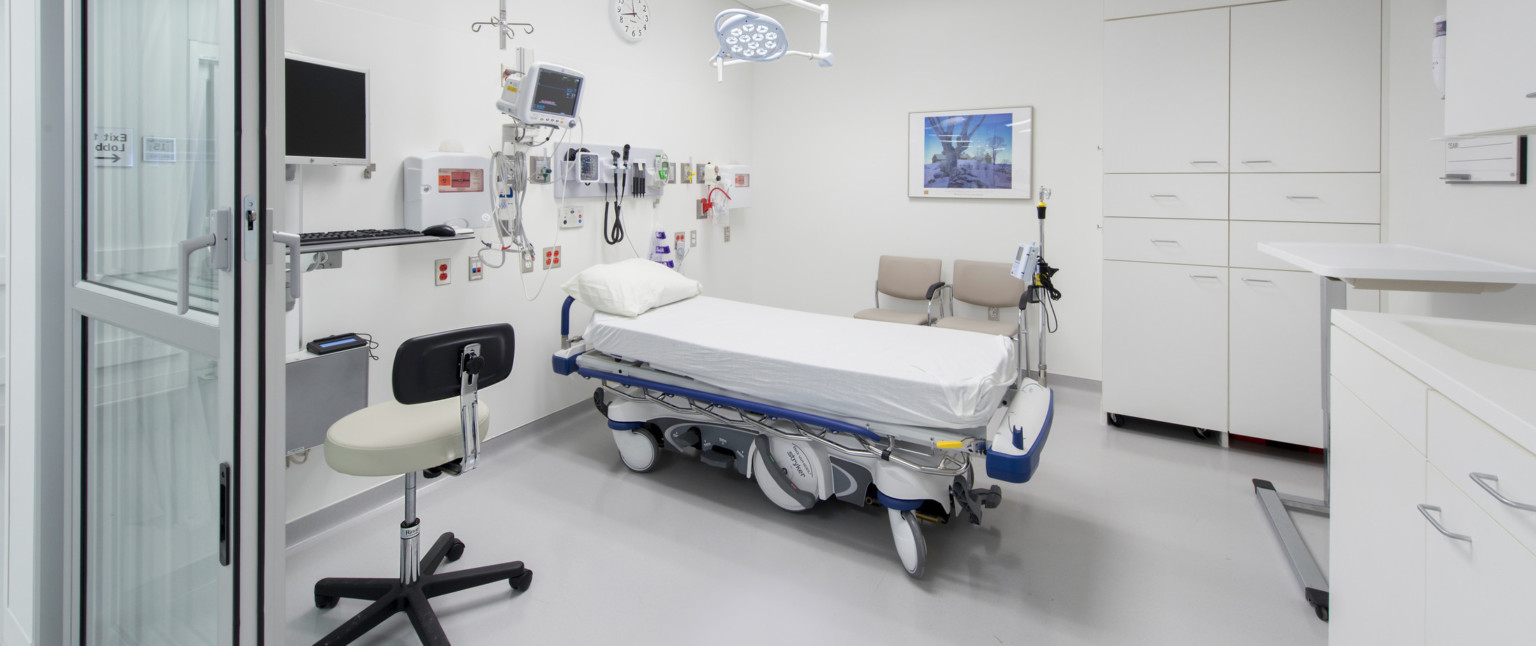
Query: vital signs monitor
{"type": "Point", "coordinates": [548, 95]}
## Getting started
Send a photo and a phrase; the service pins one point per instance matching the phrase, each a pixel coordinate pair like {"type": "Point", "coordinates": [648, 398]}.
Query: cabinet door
{"type": "Point", "coordinates": [1188, 242]}
{"type": "Point", "coordinates": [1306, 86]}
{"type": "Point", "coordinates": [1165, 93]}
{"type": "Point", "coordinates": [1277, 364]}
{"type": "Point", "coordinates": [1165, 343]}
{"type": "Point", "coordinates": [1476, 592]}
{"type": "Point", "coordinates": [1375, 532]}
{"type": "Point", "coordinates": [1180, 196]}
{"type": "Point", "coordinates": [1490, 85]}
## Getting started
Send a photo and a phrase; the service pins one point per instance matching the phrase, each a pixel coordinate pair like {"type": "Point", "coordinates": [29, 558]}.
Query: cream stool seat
{"type": "Point", "coordinates": [892, 316]}
{"type": "Point", "coordinates": [391, 438]}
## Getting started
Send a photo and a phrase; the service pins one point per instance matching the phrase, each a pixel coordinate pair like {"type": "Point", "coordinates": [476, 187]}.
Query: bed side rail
{"type": "Point", "coordinates": [565, 359]}
{"type": "Point", "coordinates": [1014, 453]}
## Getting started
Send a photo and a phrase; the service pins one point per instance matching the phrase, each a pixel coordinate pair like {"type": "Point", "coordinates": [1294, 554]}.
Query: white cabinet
{"type": "Point", "coordinates": [1246, 237]}
{"type": "Point", "coordinates": [1376, 537]}
{"type": "Point", "coordinates": [1165, 93]}
{"type": "Point", "coordinates": [1185, 197]}
{"type": "Point", "coordinates": [1490, 83]}
{"type": "Point", "coordinates": [1477, 591]}
{"type": "Point", "coordinates": [1306, 86]}
{"type": "Point", "coordinates": [1190, 242]}
{"type": "Point", "coordinates": [1420, 552]}
{"type": "Point", "coordinates": [1276, 368]}
{"type": "Point", "coordinates": [1307, 197]}
{"type": "Point", "coordinates": [1169, 368]}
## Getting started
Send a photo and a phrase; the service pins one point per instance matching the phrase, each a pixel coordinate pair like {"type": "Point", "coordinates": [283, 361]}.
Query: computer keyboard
{"type": "Point", "coordinates": [322, 237]}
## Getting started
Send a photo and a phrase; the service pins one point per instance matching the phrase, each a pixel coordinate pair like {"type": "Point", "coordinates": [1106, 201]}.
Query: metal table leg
{"type": "Point", "coordinates": [1278, 506]}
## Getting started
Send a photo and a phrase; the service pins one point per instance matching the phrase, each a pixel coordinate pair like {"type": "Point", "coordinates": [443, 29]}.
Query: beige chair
{"type": "Point", "coordinates": [988, 284]}
{"type": "Point", "coordinates": [913, 279]}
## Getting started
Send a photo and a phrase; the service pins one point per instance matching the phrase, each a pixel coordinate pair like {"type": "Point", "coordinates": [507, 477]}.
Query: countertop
{"type": "Point", "coordinates": [1502, 396]}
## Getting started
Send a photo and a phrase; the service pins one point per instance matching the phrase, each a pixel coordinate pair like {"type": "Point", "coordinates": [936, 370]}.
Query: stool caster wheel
{"type": "Point", "coordinates": [323, 602]}
{"type": "Point", "coordinates": [1321, 611]}
{"type": "Point", "coordinates": [456, 550]}
{"type": "Point", "coordinates": [521, 583]}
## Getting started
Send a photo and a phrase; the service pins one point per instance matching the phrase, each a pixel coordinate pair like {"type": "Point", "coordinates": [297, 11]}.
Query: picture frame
{"type": "Point", "coordinates": [984, 153]}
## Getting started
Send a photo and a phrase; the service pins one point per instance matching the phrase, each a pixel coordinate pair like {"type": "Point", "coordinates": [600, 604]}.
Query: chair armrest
{"type": "Point", "coordinates": [934, 288]}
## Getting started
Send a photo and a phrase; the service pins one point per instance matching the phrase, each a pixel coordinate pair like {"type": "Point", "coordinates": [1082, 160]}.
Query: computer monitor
{"type": "Point", "coordinates": [327, 108]}
{"type": "Point", "coordinates": [548, 95]}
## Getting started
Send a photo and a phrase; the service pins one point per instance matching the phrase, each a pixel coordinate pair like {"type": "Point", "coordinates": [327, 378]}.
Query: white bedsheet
{"type": "Point", "coordinates": [870, 370]}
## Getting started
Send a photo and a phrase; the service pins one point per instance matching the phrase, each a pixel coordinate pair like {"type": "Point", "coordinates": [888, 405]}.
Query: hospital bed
{"type": "Point", "coordinates": [815, 407]}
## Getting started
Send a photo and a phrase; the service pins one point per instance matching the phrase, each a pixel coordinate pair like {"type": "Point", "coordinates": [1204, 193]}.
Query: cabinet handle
{"type": "Point", "coordinates": [1164, 197]}
{"type": "Point", "coordinates": [1425, 509]}
{"type": "Point", "coordinates": [1204, 277]}
{"type": "Point", "coordinates": [1165, 242]}
{"type": "Point", "coordinates": [1482, 480]}
{"type": "Point", "coordinates": [1257, 161]}
{"type": "Point", "coordinates": [1302, 197]}
{"type": "Point", "coordinates": [1531, 95]}
{"type": "Point", "coordinates": [1258, 280]}
{"type": "Point", "coordinates": [1203, 161]}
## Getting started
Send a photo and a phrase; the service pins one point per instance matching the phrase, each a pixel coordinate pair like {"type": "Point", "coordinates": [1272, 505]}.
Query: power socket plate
{"type": "Point", "coordinates": [440, 269]}
{"type": "Point", "coordinates": [526, 260]}
{"type": "Point", "coordinates": [552, 257]}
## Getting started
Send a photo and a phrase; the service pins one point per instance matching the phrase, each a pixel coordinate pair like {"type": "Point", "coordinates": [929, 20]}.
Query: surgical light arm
{"type": "Point", "coordinates": [822, 57]}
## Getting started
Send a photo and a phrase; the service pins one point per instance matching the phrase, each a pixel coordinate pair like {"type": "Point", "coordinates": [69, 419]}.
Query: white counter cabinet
{"type": "Point", "coordinates": [1421, 552]}
{"type": "Point", "coordinates": [1490, 84]}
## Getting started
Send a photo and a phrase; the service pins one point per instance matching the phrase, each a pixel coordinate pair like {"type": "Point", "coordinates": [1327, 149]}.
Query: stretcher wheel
{"type": "Point", "coordinates": [910, 545]}
{"type": "Point", "coordinates": [638, 449]}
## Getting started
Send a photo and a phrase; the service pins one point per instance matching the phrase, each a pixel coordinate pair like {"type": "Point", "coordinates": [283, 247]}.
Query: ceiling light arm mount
{"type": "Point", "coordinates": [823, 57]}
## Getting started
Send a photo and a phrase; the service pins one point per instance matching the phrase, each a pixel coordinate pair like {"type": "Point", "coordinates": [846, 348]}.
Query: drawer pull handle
{"type": "Point", "coordinates": [1257, 161]}
{"type": "Point", "coordinates": [1165, 242]}
{"type": "Point", "coordinates": [1206, 162]}
{"type": "Point", "coordinates": [1302, 197]}
{"type": "Point", "coordinates": [1165, 197]}
{"type": "Point", "coordinates": [1531, 95]}
{"type": "Point", "coordinates": [1482, 480]}
{"type": "Point", "coordinates": [1259, 280]}
{"type": "Point", "coordinates": [1425, 509]}
{"type": "Point", "coordinates": [1204, 277]}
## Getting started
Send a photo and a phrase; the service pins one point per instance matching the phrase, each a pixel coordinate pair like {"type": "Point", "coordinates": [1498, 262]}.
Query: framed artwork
{"type": "Point", "coordinates": [970, 153]}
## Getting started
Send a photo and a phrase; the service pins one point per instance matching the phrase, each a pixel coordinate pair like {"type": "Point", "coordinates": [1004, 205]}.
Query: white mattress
{"type": "Point", "coordinates": [846, 367]}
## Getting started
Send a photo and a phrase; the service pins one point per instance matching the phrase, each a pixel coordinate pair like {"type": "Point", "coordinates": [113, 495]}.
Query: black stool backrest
{"type": "Point", "coordinates": [427, 367]}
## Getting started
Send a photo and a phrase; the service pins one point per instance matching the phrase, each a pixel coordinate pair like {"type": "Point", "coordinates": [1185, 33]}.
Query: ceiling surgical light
{"type": "Point", "coordinates": [750, 37]}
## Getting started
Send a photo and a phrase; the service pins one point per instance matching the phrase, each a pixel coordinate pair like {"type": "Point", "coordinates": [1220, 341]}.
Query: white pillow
{"type": "Point", "coordinates": [631, 287]}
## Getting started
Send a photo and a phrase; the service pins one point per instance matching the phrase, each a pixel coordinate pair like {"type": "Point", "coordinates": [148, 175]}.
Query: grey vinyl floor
{"type": "Point", "coordinates": [1140, 535]}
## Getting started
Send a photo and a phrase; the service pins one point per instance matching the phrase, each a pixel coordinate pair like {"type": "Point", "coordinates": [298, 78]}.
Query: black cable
{"type": "Point", "coordinates": [615, 235]}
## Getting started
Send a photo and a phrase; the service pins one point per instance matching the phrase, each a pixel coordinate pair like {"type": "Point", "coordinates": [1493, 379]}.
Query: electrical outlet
{"type": "Point", "coordinates": [476, 268]}
{"type": "Point", "coordinates": [527, 261]}
{"type": "Point", "coordinates": [993, 313]}
{"type": "Point", "coordinates": [539, 169]}
{"type": "Point", "coordinates": [552, 257]}
{"type": "Point", "coordinates": [440, 271]}
{"type": "Point", "coordinates": [572, 217]}
{"type": "Point", "coordinates": [727, 234]}
{"type": "Point", "coordinates": [693, 238]}
{"type": "Point", "coordinates": [698, 210]}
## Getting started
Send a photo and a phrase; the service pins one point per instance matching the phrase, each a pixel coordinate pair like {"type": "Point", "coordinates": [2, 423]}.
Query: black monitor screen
{"type": "Point", "coordinates": [556, 93]}
{"type": "Point", "coordinates": [327, 111]}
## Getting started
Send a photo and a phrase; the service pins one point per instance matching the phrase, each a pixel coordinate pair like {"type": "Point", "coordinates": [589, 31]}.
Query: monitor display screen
{"type": "Point", "coordinates": [327, 110]}
{"type": "Point", "coordinates": [556, 93]}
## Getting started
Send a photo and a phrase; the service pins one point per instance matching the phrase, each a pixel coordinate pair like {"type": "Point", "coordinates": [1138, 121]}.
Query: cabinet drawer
{"type": "Point", "coordinates": [1189, 242]}
{"type": "Point", "coordinates": [1187, 196]}
{"type": "Point", "coordinates": [1276, 365]}
{"type": "Point", "coordinates": [1395, 395]}
{"type": "Point", "coordinates": [1165, 343]}
{"type": "Point", "coordinates": [1461, 445]}
{"type": "Point", "coordinates": [1307, 197]}
{"type": "Point", "coordinates": [1246, 237]}
{"type": "Point", "coordinates": [1476, 592]}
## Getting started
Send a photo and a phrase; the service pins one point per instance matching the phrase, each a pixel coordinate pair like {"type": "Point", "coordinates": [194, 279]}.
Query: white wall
{"type": "Point", "coordinates": [18, 484]}
{"type": "Point", "coordinates": [1496, 222]}
{"type": "Point", "coordinates": [434, 80]}
{"type": "Point", "coordinates": [830, 153]}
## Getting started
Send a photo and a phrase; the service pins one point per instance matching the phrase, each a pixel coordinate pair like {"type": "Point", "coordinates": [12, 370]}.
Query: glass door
{"type": "Point", "coordinates": [156, 316]}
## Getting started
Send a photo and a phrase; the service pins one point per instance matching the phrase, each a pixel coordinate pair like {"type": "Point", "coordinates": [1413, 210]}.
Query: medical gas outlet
{"type": "Point", "coordinates": [572, 217]}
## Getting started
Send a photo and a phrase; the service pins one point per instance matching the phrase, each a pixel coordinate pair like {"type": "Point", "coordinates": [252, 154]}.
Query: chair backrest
{"type": "Point", "coordinates": [427, 367]}
{"type": "Point", "coordinates": [988, 284]}
{"type": "Point", "coordinates": [907, 278]}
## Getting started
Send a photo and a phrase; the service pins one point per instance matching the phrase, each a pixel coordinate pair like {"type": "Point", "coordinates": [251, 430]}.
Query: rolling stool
{"type": "Point", "coordinates": [425, 429]}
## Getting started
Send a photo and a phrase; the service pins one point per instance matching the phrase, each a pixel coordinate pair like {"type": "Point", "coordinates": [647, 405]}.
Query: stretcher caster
{"type": "Point", "coordinates": [638, 449]}
{"type": "Point", "coordinates": [910, 545]}
{"type": "Point", "coordinates": [775, 481]}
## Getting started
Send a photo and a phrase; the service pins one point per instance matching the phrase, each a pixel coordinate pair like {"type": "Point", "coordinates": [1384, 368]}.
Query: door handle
{"type": "Point", "coordinates": [1425, 509]}
{"type": "Point", "coordinates": [225, 518]}
{"type": "Point", "coordinates": [1482, 480]}
{"type": "Point", "coordinates": [295, 272]}
{"type": "Point", "coordinates": [218, 244]}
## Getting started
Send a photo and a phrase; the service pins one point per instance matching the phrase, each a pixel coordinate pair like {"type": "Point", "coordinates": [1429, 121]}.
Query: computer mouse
{"type": "Point", "coordinates": [439, 230]}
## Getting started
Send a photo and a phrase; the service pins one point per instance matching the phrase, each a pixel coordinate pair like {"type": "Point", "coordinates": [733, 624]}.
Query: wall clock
{"type": "Point", "coordinates": [632, 18]}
